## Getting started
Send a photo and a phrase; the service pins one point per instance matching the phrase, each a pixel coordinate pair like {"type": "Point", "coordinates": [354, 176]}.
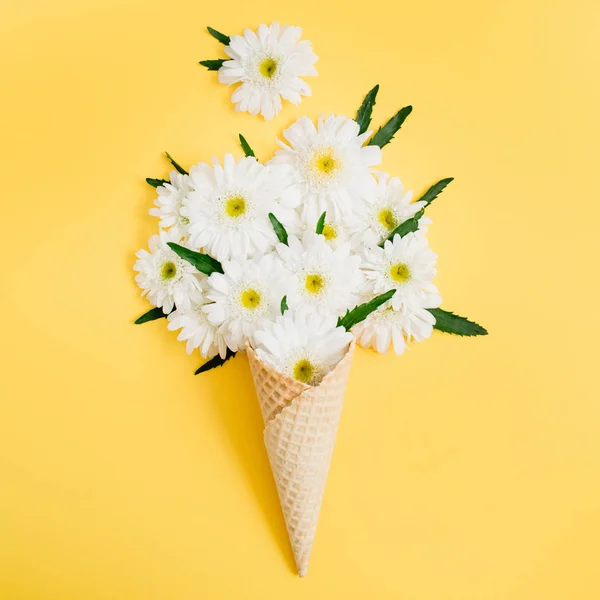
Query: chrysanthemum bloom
{"type": "Point", "coordinates": [328, 164]}
{"type": "Point", "coordinates": [165, 278]}
{"type": "Point", "coordinates": [169, 203]}
{"type": "Point", "coordinates": [269, 67]}
{"type": "Point", "coordinates": [302, 344]}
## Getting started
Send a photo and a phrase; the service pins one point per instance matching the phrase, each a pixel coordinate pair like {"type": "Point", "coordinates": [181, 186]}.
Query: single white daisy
{"type": "Point", "coordinates": [165, 278]}
{"type": "Point", "coordinates": [382, 212]}
{"type": "Point", "coordinates": [398, 327]}
{"type": "Point", "coordinates": [169, 202]}
{"type": "Point", "coordinates": [405, 264]}
{"type": "Point", "coordinates": [196, 330]}
{"type": "Point", "coordinates": [229, 207]}
{"type": "Point", "coordinates": [302, 344]}
{"type": "Point", "coordinates": [269, 67]}
{"type": "Point", "coordinates": [327, 280]}
{"type": "Point", "coordinates": [328, 164]}
{"type": "Point", "coordinates": [245, 295]}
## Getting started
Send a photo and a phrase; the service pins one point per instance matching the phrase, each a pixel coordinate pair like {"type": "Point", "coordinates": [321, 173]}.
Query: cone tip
{"type": "Point", "coordinates": [302, 571]}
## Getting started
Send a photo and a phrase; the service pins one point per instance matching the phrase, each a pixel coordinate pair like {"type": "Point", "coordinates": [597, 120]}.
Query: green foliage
{"type": "Point", "coordinates": [177, 166]}
{"type": "Point", "coordinates": [213, 65]}
{"type": "Point", "coordinates": [450, 323]}
{"type": "Point", "coordinates": [215, 362]}
{"type": "Point", "coordinates": [246, 146]}
{"type": "Point", "coordinates": [435, 190]}
{"type": "Point", "coordinates": [408, 226]}
{"type": "Point", "coordinates": [156, 182]}
{"type": "Point", "coordinates": [386, 133]}
{"type": "Point", "coordinates": [363, 115]}
{"type": "Point", "coordinates": [221, 37]}
{"type": "Point", "coordinates": [151, 315]}
{"type": "Point", "coordinates": [279, 229]}
{"type": "Point", "coordinates": [362, 311]}
{"type": "Point", "coordinates": [321, 223]}
{"type": "Point", "coordinates": [203, 262]}
{"type": "Point", "coordinates": [284, 305]}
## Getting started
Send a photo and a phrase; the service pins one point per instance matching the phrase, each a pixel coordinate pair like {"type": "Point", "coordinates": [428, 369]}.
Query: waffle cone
{"type": "Point", "coordinates": [300, 428]}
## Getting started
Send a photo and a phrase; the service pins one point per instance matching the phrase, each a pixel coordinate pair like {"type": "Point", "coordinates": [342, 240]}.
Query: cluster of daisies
{"type": "Point", "coordinates": [298, 256]}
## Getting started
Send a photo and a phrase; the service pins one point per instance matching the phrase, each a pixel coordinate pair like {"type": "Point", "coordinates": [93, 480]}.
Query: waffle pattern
{"type": "Point", "coordinates": [300, 428]}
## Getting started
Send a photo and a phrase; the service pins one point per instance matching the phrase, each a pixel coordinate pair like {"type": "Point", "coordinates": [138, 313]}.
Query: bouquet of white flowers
{"type": "Point", "coordinates": [294, 261]}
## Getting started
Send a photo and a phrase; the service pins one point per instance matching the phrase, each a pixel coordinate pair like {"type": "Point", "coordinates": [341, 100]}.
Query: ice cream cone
{"type": "Point", "coordinates": [300, 428]}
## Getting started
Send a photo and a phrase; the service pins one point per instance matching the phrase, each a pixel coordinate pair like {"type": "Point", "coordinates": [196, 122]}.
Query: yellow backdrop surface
{"type": "Point", "coordinates": [466, 469]}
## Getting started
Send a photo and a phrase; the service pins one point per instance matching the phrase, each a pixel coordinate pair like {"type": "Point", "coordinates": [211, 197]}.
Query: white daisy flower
{"type": "Point", "coordinates": [398, 327]}
{"type": "Point", "coordinates": [326, 279]}
{"type": "Point", "coordinates": [196, 330]}
{"type": "Point", "coordinates": [269, 66]}
{"type": "Point", "coordinates": [405, 264]}
{"type": "Point", "coordinates": [335, 231]}
{"type": "Point", "coordinates": [229, 207]}
{"type": "Point", "coordinates": [382, 212]}
{"type": "Point", "coordinates": [169, 202]}
{"type": "Point", "coordinates": [328, 164]}
{"type": "Point", "coordinates": [248, 293]}
{"type": "Point", "coordinates": [165, 278]}
{"type": "Point", "coordinates": [302, 344]}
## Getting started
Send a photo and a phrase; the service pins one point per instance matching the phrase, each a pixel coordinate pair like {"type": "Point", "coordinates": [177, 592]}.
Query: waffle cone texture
{"type": "Point", "coordinates": [300, 427]}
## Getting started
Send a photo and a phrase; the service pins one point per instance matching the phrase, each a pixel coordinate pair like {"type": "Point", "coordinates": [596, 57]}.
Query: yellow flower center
{"type": "Point", "coordinates": [314, 283]}
{"type": "Point", "coordinates": [400, 272]}
{"type": "Point", "coordinates": [268, 68]}
{"type": "Point", "coordinates": [168, 271]}
{"type": "Point", "coordinates": [235, 207]}
{"type": "Point", "coordinates": [326, 163]}
{"type": "Point", "coordinates": [329, 232]}
{"type": "Point", "coordinates": [304, 371]}
{"type": "Point", "coordinates": [387, 219]}
{"type": "Point", "coordinates": [250, 299]}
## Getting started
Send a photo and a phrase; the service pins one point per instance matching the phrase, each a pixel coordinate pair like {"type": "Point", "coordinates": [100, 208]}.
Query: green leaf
{"type": "Point", "coordinates": [203, 262]}
{"type": "Point", "coordinates": [386, 133]}
{"type": "Point", "coordinates": [215, 362]}
{"type": "Point", "coordinates": [363, 115]}
{"type": "Point", "coordinates": [284, 305]}
{"type": "Point", "coordinates": [151, 315]}
{"type": "Point", "coordinates": [224, 39]}
{"type": "Point", "coordinates": [361, 312]}
{"type": "Point", "coordinates": [451, 323]}
{"type": "Point", "coordinates": [321, 223]}
{"type": "Point", "coordinates": [156, 182]}
{"type": "Point", "coordinates": [177, 166]}
{"type": "Point", "coordinates": [408, 226]}
{"type": "Point", "coordinates": [246, 146]}
{"type": "Point", "coordinates": [279, 229]}
{"type": "Point", "coordinates": [213, 65]}
{"type": "Point", "coordinates": [435, 190]}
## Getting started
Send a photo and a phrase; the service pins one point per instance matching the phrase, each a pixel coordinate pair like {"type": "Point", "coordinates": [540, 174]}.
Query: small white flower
{"type": "Point", "coordinates": [269, 66]}
{"type": "Point", "coordinates": [386, 325]}
{"type": "Point", "coordinates": [229, 207]}
{"type": "Point", "coordinates": [302, 344]}
{"type": "Point", "coordinates": [335, 231]}
{"type": "Point", "coordinates": [165, 278]}
{"type": "Point", "coordinates": [325, 279]}
{"type": "Point", "coordinates": [197, 330]}
{"type": "Point", "coordinates": [387, 208]}
{"type": "Point", "coordinates": [405, 264]}
{"type": "Point", "coordinates": [248, 293]}
{"type": "Point", "coordinates": [328, 164]}
{"type": "Point", "coordinates": [169, 202]}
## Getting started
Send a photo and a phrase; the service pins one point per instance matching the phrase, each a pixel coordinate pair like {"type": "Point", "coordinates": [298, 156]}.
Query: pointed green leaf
{"type": "Point", "coordinates": [213, 65]}
{"type": "Point", "coordinates": [321, 223]}
{"type": "Point", "coordinates": [363, 115]}
{"type": "Point", "coordinates": [361, 312]}
{"type": "Point", "coordinates": [408, 226]}
{"type": "Point", "coordinates": [279, 229]}
{"type": "Point", "coordinates": [203, 262]}
{"type": "Point", "coordinates": [177, 166]}
{"type": "Point", "coordinates": [151, 315]}
{"type": "Point", "coordinates": [215, 362]}
{"type": "Point", "coordinates": [451, 323]}
{"type": "Point", "coordinates": [386, 133]}
{"type": "Point", "coordinates": [224, 39]}
{"type": "Point", "coordinates": [284, 305]}
{"type": "Point", "coordinates": [246, 146]}
{"type": "Point", "coordinates": [156, 182]}
{"type": "Point", "coordinates": [435, 190]}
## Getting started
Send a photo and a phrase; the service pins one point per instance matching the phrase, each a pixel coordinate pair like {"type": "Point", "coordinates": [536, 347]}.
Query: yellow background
{"type": "Point", "coordinates": [466, 469]}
